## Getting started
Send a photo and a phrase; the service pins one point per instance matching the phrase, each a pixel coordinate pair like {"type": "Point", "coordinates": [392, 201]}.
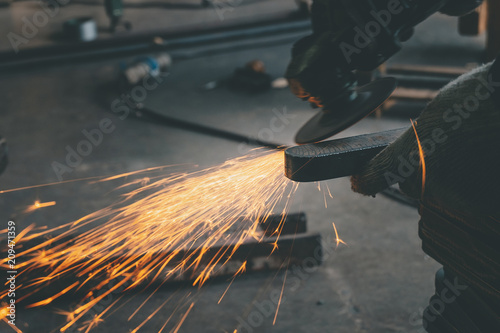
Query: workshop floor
{"type": "Point", "coordinates": [379, 283]}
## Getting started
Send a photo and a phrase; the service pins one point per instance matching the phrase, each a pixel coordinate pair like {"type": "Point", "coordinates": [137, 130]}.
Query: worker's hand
{"type": "Point", "coordinates": [317, 68]}
{"type": "Point", "coordinates": [459, 132]}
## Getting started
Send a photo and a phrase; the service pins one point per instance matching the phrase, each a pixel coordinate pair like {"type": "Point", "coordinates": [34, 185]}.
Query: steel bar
{"type": "Point", "coordinates": [414, 94]}
{"type": "Point", "coordinates": [291, 224]}
{"type": "Point", "coordinates": [292, 247]}
{"type": "Point", "coordinates": [297, 247]}
{"type": "Point", "coordinates": [439, 71]}
{"type": "Point", "coordinates": [297, 250]}
{"type": "Point", "coordinates": [336, 158]}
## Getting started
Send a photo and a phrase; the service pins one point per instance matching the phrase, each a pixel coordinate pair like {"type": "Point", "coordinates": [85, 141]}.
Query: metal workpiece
{"type": "Point", "coordinates": [291, 224]}
{"type": "Point", "coordinates": [335, 158]}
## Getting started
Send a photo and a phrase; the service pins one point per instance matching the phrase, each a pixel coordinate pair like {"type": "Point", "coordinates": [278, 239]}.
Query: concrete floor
{"type": "Point", "coordinates": [380, 282]}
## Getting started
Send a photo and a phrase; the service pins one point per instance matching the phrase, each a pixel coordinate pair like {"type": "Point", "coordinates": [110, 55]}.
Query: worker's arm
{"type": "Point", "coordinates": [459, 134]}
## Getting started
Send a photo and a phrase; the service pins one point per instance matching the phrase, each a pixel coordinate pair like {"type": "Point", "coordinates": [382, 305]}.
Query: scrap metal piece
{"type": "Point", "coordinates": [291, 224]}
{"type": "Point", "coordinates": [335, 158]}
{"type": "Point", "coordinates": [291, 247]}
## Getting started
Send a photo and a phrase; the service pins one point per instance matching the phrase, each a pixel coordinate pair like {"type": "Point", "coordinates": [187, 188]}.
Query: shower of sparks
{"type": "Point", "coordinates": [161, 230]}
{"type": "Point", "coordinates": [422, 157]}
{"type": "Point", "coordinates": [38, 205]}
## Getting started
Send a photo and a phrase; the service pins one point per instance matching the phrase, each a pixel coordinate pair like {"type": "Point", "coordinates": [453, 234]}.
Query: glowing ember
{"type": "Point", "coordinates": [422, 157]}
{"type": "Point", "coordinates": [183, 212]}
{"type": "Point", "coordinates": [3, 316]}
{"type": "Point", "coordinates": [38, 205]}
{"type": "Point", "coordinates": [337, 239]}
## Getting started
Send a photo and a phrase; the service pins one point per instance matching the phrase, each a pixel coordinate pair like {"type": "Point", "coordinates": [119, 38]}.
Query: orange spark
{"type": "Point", "coordinates": [422, 157]}
{"type": "Point", "coordinates": [98, 178]}
{"type": "Point", "coordinates": [50, 299]}
{"type": "Point", "coordinates": [126, 174]}
{"type": "Point", "coordinates": [46, 185]}
{"type": "Point", "coordinates": [241, 270]}
{"type": "Point", "coordinates": [38, 205]}
{"type": "Point", "coordinates": [150, 316]}
{"type": "Point", "coordinates": [281, 297]}
{"type": "Point", "coordinates": [20, 235]}
{"type": "Point", "coordinates": [329, 193]}
{"type": "Point", "coordinates": [337, 239]}
{"type": "Point", "coordinates": [4, 312]}
{"type": "Point", "coordinates": [183, 318]}
{"type": "Point", "coordinates": [96, 319]}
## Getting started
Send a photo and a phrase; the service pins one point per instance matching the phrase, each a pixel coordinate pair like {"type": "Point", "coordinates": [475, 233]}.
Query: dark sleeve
{"type": "Point", "coordinates": [460, 7]}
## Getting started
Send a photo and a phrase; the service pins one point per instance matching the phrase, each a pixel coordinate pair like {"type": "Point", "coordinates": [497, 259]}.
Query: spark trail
{"type": "Point", "coordinates": [139, 239]}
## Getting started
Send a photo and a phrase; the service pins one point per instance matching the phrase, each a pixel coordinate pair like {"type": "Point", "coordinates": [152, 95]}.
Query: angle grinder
{"type": "Point", "coordinates": [350, 36]}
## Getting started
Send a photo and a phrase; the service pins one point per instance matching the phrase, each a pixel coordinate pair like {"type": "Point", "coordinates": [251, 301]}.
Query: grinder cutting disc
{"type": "Point", "coordinates": [335, 119]}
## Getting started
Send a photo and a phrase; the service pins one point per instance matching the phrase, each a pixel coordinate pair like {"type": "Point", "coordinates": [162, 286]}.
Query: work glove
{"type": "Point", "coordinates": [458, 164]}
